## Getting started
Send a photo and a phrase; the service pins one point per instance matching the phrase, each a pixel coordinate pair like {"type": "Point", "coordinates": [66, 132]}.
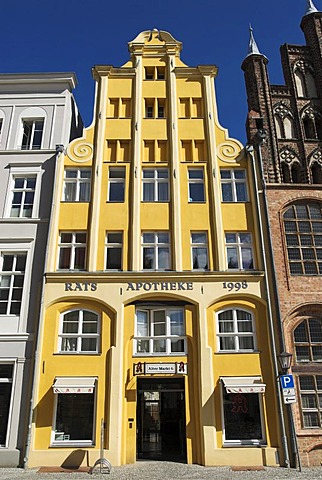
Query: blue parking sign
{"type": "Point", "coordinates": [287, 381]}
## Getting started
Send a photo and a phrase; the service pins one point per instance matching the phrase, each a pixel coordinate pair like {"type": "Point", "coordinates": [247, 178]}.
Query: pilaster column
{"type": "Point", "coordinates": [135, 204]}
{"type": "Point", "coordinates": [101, 75]}
{"type": "Point", "coordinates": [175, 164]}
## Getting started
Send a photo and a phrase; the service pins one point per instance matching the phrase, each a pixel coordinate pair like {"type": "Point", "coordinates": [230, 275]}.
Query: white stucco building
{"type": "Point", "coordinates": [38, 116]}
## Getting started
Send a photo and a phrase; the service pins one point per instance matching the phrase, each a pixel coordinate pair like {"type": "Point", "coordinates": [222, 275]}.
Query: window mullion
{"type": "Point", "coordinates": [12, 278]}
{"type": "Point", "coordinates": [77, 191]}
{"type": "Point", "coordinates": [80, 330]}
{"type": "Point", "coordinates": [23, 196]}
{"type": "Point", "coordinates": [155, 181]}
{"type": "Point", "coordinates": [236, 337]}
{"type": "Point", "coordinates": [32, 134]}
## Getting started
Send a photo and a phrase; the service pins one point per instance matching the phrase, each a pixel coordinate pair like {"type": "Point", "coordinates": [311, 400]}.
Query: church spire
{"type": "Point", "coordinates": [311, 8]}
{"type": "Point", "coordinates": [252, 45]}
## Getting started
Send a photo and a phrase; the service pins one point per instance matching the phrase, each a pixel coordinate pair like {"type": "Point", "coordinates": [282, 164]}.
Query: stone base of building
{"type": "Point", "coordinates": [310, 450]}
{"type": "Point", "coordinates": [68, 458]}
{"type": "Point", "coordinates": [9, 458]}
{"type": "Point", "coordinates": [242, 457]}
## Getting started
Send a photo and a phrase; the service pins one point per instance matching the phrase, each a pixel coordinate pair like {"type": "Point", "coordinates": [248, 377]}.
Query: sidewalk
{"type": "Point", "coordinates": [144, 470]}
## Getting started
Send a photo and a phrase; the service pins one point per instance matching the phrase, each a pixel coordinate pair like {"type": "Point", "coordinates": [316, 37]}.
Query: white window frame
{"type": "Point", "coordinates": [155, 180]}
{"type": "Point", "coordinates": [249, 442]}
{"type": "Point", "coordinates": [78, 181]}
{"type": "Point", "coordinates": [73, 442]}
{"type": "Point", "coordinates": [196, 181]}
{"type": "Point", "coordinates": [80, 334]}
{"type": "Point", "coordinates": [17, 171]}
{"type": "Point", "coordinates": [196, 245]}
{"type": "Point", "coordinates": [9, 361]}
{"type": "Point", "coordinates": [239, 245]}
{"type": "Point", "coordinates": [233, 181]}
{"type": "Point", "coordinates": [13, 273]}
{"type": "Point", "coordinates": [153, 339]}
{"type": "Point", "coordinates": [235, 334]}
{"type": "Point", "coordinates": [73, 245]}
{"type": "Point", "coordinates": [112, 246]}
{"type": "Point", "coordinates": [120, 180]}
{"type": "Point", "coordinates": [156, 246]}
{"type": "Point", "coordinates": [32, 121]}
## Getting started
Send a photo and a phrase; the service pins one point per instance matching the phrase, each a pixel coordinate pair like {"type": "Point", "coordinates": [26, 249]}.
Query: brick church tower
{"type": "Point", "coordinates": [290, 118]}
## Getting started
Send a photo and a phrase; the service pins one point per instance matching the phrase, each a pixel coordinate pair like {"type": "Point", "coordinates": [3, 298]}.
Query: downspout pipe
{"type": "Point", "coordinates": [261, 134]}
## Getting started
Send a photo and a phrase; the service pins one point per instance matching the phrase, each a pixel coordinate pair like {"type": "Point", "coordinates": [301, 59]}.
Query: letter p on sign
{"type": "Point", "coordinates": [287, 381]}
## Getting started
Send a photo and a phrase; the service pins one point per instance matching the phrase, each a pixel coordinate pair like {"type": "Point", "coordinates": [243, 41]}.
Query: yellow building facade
{"type": "Point", "coordinates": [155, 339]}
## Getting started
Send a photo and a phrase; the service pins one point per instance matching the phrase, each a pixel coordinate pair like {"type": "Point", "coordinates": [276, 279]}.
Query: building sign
{"type": "Point", "coordinates": [159, 286]}
{"type": "Point", "coordinates": [288, 388]}
{"type": "Point", "coordinates": [80, 287]}
{"type": "Point", "coordinates": [132, 286]}
{"type": "Point", "coordinates": [142, 368]}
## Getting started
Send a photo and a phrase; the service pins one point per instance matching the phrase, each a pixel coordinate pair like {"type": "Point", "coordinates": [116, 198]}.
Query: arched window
{"type": "Point", "coordinates": [283, 121]}
{"type": "Point", "coordinates": [300, 83]}
{"type": "Point", "coordinates": [31, 129]}
{"type": "Point", "coordinates": [295, 173]}
{"type": "Point", "coordinates": [79, 332]}
{"type": "Point", "coordinates": [310, 83]}
{"type": "Point", "coordinates": [235, 330]}
{"type": "Point", "coordinates": [290, 165]}
{"type": "Point", "coordinates": [316, 173]}
{"type": "Point", "coordinates": [318, 126]}
{"type": "Point", "coordinates": [279, 126]}
{"type": "Point", "coordinates": [309, 128]}
{"type": "Point", "coordinates": [288, 127]}
{"type": "Point", "coordinates": [308, 348]}
{"type": "Point", "coordinates": [304, 80]}
{"type": "Point", "coordinates": [286, 172]}
{"type": "Point", "coordinates": [303, 233]}
{"type": "Point", "coordinates": [308, 340]}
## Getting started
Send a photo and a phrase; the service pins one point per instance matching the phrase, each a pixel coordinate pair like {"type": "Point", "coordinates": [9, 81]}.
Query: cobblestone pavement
{"type": "Point", "coordinates": [166, 471]}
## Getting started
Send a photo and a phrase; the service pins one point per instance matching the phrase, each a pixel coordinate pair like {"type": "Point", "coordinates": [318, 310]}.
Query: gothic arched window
{"type": "Point", "coordinates": [309, 128]}
{"type": "Point", "coordinates": [300, 83]}
{"type": "Point", "coordinates": [304, 80]}
{"type": "Point", "coordinates": [283, 121]}
{"type": "Point", "coordinates": [316, 173]}
{"type": "Point", "coordinates": [295, 172]}
{"type": "Point", "coordinates": [308, 340]}
{"type": "Point", "coordinates": [303, 233]}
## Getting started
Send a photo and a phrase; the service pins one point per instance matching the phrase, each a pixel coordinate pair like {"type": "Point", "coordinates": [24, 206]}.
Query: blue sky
{"type": "Point", "coordinates": [70, 35]}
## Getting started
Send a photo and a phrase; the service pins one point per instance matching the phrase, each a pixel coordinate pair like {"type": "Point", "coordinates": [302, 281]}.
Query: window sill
{"type": "Point", "coordinates": [225, 352]}
{"type": "Point", "coordinates": [314, 431]}
{"type": "Point", "coordinates": [160, 354]}
{"type": "Point", "coordinates": [240, 270]}
{"type": "Point", "coordinates": [70, 270]}
{"type": "Point", "coordinates": [235, 201]}
{"type": "Point", "coordinates": [20, 219]}
{"type": "Point", "coordinates": [250, 444]}
{"type": "Point", "coordinates": [77, 353]}
{"type": "Point", "coordinates": [72, 444]}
